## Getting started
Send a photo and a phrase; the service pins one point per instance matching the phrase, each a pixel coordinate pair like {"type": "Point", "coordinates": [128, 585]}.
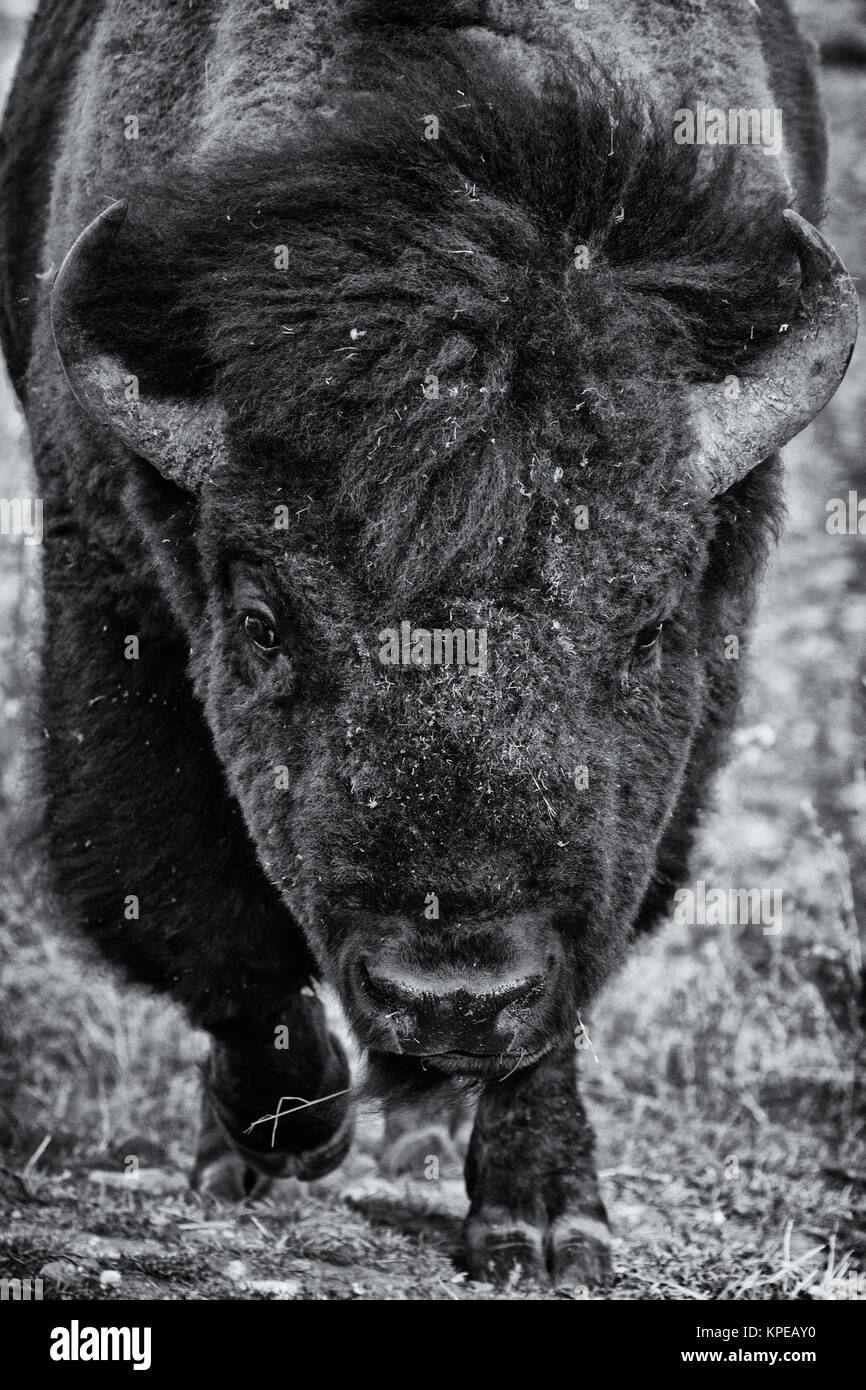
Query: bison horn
{"type": "Point", "coordinates": [792, 382]}
{"type": "Point", "coordinates": [182, 438]}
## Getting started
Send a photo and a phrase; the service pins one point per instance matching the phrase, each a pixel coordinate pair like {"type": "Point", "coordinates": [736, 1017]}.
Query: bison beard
{"type": "Point", "coordinates": [451, 260]}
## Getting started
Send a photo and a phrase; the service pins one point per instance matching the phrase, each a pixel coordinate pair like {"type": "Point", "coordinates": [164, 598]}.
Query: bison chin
{"type": "Point", "coordinates": [405, 1080]}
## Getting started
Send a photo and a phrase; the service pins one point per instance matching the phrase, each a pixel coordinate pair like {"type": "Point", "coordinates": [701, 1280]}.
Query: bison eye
{"type": "Point", "coordinates": [261, 633]}
{"type": "Point", "coordinates": [646, 643]}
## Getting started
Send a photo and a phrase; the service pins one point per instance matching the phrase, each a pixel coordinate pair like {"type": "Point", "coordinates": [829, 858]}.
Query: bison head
{"type": "Point", "coordinates": [525, 379]}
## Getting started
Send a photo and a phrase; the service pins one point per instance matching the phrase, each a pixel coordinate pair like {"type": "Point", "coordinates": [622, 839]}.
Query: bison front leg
{"type": "Point", "coordinates": [530, 1173]}
{"type": "Point", "coordinates": [276, 1104]}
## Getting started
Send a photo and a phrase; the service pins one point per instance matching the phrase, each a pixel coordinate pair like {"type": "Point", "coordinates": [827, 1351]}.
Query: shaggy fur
{"type": "Point", "coordinates": [452, 257]}
{"type": "Point", "coordinates": [28, 152]}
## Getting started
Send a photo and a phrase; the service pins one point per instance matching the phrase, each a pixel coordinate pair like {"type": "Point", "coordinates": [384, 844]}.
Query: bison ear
{"type": "Point", "coordinates": [183, 439]}
{"type": "Point", "coordinates": [792, 381]}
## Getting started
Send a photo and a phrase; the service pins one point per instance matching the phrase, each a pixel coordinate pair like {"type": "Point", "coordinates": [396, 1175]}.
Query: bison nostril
{"type": "Point", "coordinates": [381, 989]}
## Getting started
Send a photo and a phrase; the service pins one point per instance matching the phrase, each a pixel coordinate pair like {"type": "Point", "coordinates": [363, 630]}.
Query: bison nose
{"type": "Point", "coordinates": [470, 1011]}
{"type": "Point", "coordinates": [484, 996]}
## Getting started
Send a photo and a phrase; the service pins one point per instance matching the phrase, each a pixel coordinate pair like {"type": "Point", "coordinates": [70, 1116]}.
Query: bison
{"type": "Point", "coordinates": [346, 329]}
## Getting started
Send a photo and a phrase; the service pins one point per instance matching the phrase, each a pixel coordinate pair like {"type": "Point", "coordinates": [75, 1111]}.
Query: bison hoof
{"type": "Point", "coordinates": [230, 1168]}
{"type": "Point", "coordinates": [227, 1178]}
{"type": "Point", "coordinates": [316, 1163]}
{"type": "Point", "coordinates": [222, 1170]}
{"type": "Point", "coordinates": [570, 1251]}
{"type": "Point", "coordinates": [428, 1152]}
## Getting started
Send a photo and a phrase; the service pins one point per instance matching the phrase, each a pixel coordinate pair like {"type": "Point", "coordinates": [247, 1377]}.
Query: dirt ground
{"type": "Point", "coordinates": [727, 1081]}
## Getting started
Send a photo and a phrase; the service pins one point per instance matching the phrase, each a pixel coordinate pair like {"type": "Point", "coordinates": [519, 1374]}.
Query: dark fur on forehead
{"type": "Point", "coordinates": [451, 260]}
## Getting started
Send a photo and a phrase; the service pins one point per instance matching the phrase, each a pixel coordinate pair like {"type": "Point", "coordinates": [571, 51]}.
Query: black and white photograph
{"type": "Point", "coordinates": [433, 667]}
